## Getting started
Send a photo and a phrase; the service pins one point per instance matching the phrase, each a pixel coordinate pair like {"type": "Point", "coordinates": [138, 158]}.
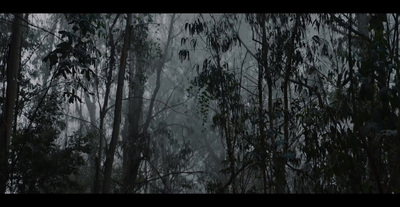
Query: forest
{"type": "Point", "coordinates": [199, 103]}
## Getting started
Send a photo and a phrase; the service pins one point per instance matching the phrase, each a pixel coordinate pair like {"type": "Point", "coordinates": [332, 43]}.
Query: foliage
{"type": "Point", "coordinates": [287, 103]}
{"type": "Point", "coordinates": [40, 164]}
{"type": "Point", "coordinates": [77, 52]}
{"type": "Point", "coordinates": [326, 149]}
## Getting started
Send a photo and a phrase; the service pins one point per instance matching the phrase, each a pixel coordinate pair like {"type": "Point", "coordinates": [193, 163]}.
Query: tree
{"type": "Point", "coordinates": [14, 61]}
{"type": "Point", "coordinates": [117, 112]}
{"type": "Point", "coordinates": [104, 107]}
{"type": "Point", "coordinates": [241, 103]}
{"type": "Point", "coordinates": [138, 138]}
{"type": "Point", "coordinates": [39, 164]}
{"type": "Point", "coordinates": [135, 141]}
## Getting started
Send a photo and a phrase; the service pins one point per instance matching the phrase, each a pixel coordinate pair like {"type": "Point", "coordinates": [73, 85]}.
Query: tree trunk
{"type": "Point", "coordinates": [159, 69]}
{"type": "Point", "coordinates": [146, 125]}
{"type": "Point", "coordinates": [263, 65]}
{"type": "Point", "coordinates": [118, 105]}
{"type": "Point", "coordinates": [133, 142]}
{"type": "Point", "coordinates": [103, 110]}
{"type": "Point", "coordinates": [366, 61]}
{"type": "Point", "coordinates": [11, 95]}
{"type": "Point", "coordinates": [132, 145]}
{"type": "Point", "coordinates": [394, 172]}
{"type": "Point", "coordinates": [51, 47]}
{"type": "Point", "coordinates": [165, 165]}
{"type": "Point", "coordinates": [91, 107]}
{"type": "Point", "coordinates": [280, 173]}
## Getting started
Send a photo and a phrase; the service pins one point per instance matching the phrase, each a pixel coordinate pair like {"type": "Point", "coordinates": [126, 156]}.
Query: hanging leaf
{"type": "Point", "coordinates": [183, 40]}
{"type": "Point", "coordinates": [197, 68]}
{"type": "Point", "coordinates": [193, 43]}
{"type": "Point", "coordinates": [205, 64]}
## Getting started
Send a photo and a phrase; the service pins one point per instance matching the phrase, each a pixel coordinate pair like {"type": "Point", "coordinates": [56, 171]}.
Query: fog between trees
{"type": "Point", "coordinates": [199, 103]}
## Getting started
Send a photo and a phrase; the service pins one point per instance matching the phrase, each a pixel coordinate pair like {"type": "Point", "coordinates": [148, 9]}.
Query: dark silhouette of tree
{"type": "Point", "coordinates": [7, 117]}
{"type": "Point", "coordinates": [108, 165]}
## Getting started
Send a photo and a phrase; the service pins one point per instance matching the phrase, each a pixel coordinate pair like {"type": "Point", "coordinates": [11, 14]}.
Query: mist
{"type": "Point", "coordinates": [170, 103]}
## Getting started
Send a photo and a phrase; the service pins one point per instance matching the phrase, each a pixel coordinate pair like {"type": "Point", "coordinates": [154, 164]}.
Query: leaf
{"type": "Point", "coordinates": [63, 73]}
{"type": "Point", "coordinates": [205, 64]}
{"type": "Point", "coordinates": [193, 42]}
{"type": "Point", "coordinates": [77, 97]}
{"type": "Point", "coordinates": [88, 75]}
{"type": "Point", "coordinates": [316, 39]}
{"type": "Point", "coordinates": [180, 54]}
{"type": "Point", "coordinates": [186, 25]}
{"type": "Point", "coordinates": [339, 79]}
{"type": "Point", "coordinates": [52, 57]}
{"type": "Point", "coordinates": [199, 27]}
{"type": "Point", "coordinates": [346, 81]}
{"type": "Point", "coordinates": [75, 28]}
{"type": "Point", "coordinates": [98, 53]}
{"type": "Point", "coordinates": [67, 70]}
{"type": "Point", "coordinates": [190, 29]}
{"type": "Point", "coordinates": [193, 30]}
{"type": "Point", "coordinates": [68, 35]}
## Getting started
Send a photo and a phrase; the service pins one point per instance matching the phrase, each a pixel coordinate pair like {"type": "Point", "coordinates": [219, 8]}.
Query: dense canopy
{"type": "Point", "coordinates": [147, 103]}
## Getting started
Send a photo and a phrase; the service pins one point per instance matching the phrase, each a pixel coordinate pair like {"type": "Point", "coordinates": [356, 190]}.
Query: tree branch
{"type": "Point", "coordinates": [345, 25]}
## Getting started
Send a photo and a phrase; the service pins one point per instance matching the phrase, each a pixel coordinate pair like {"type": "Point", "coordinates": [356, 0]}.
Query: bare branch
{"type": "Point", "coordinates": [33, 26]}
{"type": "Point", "coordinates": [80, 119]}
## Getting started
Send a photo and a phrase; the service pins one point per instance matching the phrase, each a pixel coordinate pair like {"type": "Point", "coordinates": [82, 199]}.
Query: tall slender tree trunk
{"type": "Point", "coordinates": [16, 109]}
{"type": "Point", "coordinates": [355, 177]}
{"type": "Point", "coordinates": [134, 141]}
{"type": "Point", "coordinates": [92, 162]}
{"type": "Point", "coordinates": [263, 65]}
{"type": "Point", "coordinates": [165, 163]}
{"type": "Point", "coordinates": [103, 110]}
{"type": "Point", "coordinates": [91, 107]}
{"type": "Point", "coordinates": [51, 47]}
{"type": "Point", "coordinates": [138, 142]}
{"type": "Point", "coordinates": [281, 160]}
{"type": "Point", "coordinates": [362, 28]}
{"type": "Point", "coordinates": [6, 124]}
{"type": "Point", "coordinates": [118, 105]}
{"type": "Point", "coordinates": [394, 172]}
{"type": "Point", "coordinates": [160, 66]}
